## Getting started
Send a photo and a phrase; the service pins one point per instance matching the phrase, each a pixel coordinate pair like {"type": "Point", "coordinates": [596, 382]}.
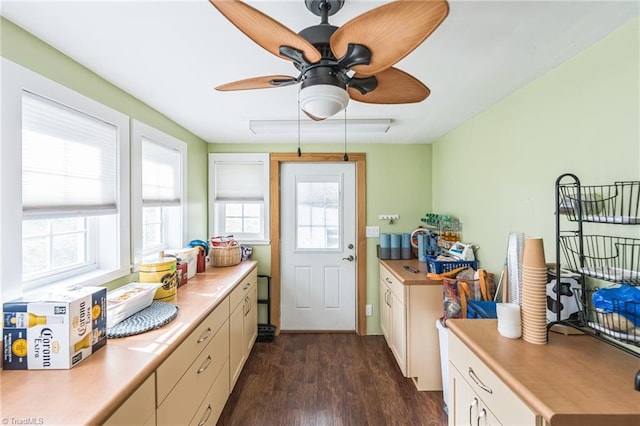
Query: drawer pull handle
{"type": "Point", "coordinates": [246, 286]}
{"type": "Point", "coordinates": [204, 336]}
{"type": "Point", "coordinates": [478, 382]}
{"type": "Point", "coordinates": [473, 403]}
{"type": "Point", "coordinates": [205, 364]}
{"type": "Point", "coordinates": [388, 280]}
{"type": "Point", "coordinates": [205, 417]}
{"type": "Point", "coordinates": [482, 414]}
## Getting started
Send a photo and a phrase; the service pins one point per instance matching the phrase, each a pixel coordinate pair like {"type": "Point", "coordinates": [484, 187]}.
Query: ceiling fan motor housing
{"type": "Point", "coordinates": [323, 92]}
{"type": "Point", "coordinates": [319, 36]}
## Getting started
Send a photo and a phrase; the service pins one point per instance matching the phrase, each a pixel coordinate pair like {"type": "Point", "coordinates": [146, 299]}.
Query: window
{"type": "Point", "coordinates": [239, 196]}
{"type": "Point", "coordinates": [159, 191]}
{"type": "Point", "coordinates": [64, 187]}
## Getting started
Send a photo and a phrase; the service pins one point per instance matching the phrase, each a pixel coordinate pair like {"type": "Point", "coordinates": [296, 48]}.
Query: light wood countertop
{"type": "Point", "coordinates": [396, 267]}
{"type": "Point", "coordinates": [572, 380]}
{"type": "Point", "coordinates": [91, 391]}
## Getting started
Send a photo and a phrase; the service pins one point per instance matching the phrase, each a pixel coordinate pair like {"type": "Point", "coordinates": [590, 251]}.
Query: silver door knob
{"type": "Point", "coordinates": [350, 258]}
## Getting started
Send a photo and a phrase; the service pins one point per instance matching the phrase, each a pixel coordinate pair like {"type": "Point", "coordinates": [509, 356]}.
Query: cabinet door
{"type": "Point", "coordinates": [139, 408]}
{"type": "Point", "coordinates": [251, 320]}
{"type": "Point", "coordinates": [465, 407]}
{"type": "Point", "coordinates": [504, 403]}
{"type": "Point", "coordinates": [236, 344]}
{"type": "Point", "coordinates": [385, 314]}
{"type": "Point", "coordinates": [398, 331]}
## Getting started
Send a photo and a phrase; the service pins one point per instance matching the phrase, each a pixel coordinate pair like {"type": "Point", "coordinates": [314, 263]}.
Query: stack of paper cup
{"type": "Point", "coordinates": [534, 292]}
{"type": "Point", "coordinates": [514, 265]}
{"type": "Point", "coordinates": [509, 322]}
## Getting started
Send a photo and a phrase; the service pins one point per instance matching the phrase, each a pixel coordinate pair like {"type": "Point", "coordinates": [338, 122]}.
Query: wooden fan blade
{"type": "Point", "coordinates": [263, 30]}
{"type": "Point", "coordinates": [394, 87]}
{"type": "Point", "coordinates": [264, 82]}
{"type": "Point", "coordinates": [390, 31]}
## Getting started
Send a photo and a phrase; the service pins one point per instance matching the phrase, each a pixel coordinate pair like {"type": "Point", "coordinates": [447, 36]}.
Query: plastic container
{"type": "Point", "coordinates": [161, 270]}
{"type": "Point", "coordinates": [405, 251]}
{"type": "Point", "coordinates": [395, 246]}
{"type": "Point", "coordinates": [189, 255]}
{"type": "Point", "coordinates": [127, 300]}
{"type": "Point", "coordinates": [438, 267]}
{"type": "Point", "coordinates": [385, 246]}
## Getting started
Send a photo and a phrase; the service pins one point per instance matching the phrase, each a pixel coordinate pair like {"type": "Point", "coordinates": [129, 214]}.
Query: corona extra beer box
{"type": "Point", "coordinates": [54, 330]}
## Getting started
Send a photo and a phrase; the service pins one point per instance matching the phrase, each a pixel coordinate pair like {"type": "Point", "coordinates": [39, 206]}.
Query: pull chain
{"type": "Point", "coordinates": [346, 157]}
{"type": "Point", "coordinates": [299, 152]}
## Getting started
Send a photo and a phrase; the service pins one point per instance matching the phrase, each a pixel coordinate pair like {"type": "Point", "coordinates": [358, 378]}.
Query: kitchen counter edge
{"type": "Point", "coordinates": [396, 267]}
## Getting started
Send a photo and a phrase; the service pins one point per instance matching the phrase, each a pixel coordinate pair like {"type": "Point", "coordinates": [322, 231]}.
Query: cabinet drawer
{"type": "Point", "coordinates": [394, 284]}
{"type": "Point", "coordinates": [181, 404]}
{"type": "Point", "coordinates": [214, 402]}
{"type": "Point", "coordinates": [175, 366]}
{"type": "Point", "coordinates": [139, 408]}
{"type": "Point", "coordinates": [242, 290]}
{"type": "Point", "coordinates": [506, 406]}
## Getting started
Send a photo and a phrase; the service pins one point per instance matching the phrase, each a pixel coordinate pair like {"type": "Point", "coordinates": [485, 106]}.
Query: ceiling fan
{"type": "Point", "coordinates": [354, 61]}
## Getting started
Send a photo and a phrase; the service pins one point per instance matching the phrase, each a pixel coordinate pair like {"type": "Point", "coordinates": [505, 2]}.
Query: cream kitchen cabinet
{"type": "Point", "coordinates": [408, 316]}
{"type": "Point", "coordinates": [138, 409]}
{"type": "Point", "coordinates": [243, 323]}
{"type": "Point", "coordinates": [251, 318]}
{"type": "Point", "coordinates": [393, 317]}
{"type": "Point", "coordinates": [186, 377]}
{"type": "Point", "coordinates": [477, 396]}
{"type": "Point", "coordinates": [468, 408]}
{"type": "Point", "coordinates": [385, 310]}
{"type": "Point", "coordinates": [214, 402]}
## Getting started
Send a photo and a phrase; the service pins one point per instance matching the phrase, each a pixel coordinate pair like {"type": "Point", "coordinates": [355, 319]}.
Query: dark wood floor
{"type": "Point", "coordinates": [328, 379]}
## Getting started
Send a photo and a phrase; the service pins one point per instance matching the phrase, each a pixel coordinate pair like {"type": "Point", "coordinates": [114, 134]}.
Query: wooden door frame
{"type": "Point", "coordinates": [276, 160]}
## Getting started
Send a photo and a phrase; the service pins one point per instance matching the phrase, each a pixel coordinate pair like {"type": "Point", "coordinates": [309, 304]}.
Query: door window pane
{"type": "Point", "coordinates": [318, 215]}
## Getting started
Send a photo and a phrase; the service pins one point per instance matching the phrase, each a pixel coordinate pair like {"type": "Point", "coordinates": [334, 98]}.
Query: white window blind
{"type": "Point", "coordinates": [239, 181]}
{"type": "Point", "coordinates": [69, 160]}
{"type": "Point", "coordinates": [161, 175]}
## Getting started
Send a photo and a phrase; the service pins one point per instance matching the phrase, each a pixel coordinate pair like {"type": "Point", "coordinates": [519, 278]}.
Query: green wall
{"type": "Point", "coordinates": [23, 48]}
{"type": "Point", "coordinates": [398, 180]}
{"type": "Point", "coordinates": [583, 117]}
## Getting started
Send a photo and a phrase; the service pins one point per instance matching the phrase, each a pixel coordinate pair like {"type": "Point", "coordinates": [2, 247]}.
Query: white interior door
{"type": "Point", "coordinates": [318, 237]}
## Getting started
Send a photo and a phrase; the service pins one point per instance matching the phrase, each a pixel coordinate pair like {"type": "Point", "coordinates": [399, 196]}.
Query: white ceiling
{"type": "Point", "coordinates": [171, 54]}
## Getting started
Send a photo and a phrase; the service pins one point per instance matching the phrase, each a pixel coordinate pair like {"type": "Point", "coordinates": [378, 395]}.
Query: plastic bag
{"type": "Point", "coordinates": [623, 300]}
{"type": "Point", "coordinates": [468, 285]}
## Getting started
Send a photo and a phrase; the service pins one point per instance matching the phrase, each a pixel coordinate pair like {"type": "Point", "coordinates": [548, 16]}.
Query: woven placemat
{"type": "Point", "coordinates": [153, 316]}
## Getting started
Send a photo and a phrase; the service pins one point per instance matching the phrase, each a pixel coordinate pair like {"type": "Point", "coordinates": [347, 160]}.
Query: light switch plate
{"type": "Point", "coordinates": [372, 231]}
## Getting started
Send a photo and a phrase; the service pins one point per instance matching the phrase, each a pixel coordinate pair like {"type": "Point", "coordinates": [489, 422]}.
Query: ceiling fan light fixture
{"type": "Point", "coordinates": [322, 101]}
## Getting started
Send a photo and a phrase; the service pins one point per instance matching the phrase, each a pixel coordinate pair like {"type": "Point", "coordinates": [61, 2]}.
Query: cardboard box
{"type": "Point", "coordinates": [54, 330]}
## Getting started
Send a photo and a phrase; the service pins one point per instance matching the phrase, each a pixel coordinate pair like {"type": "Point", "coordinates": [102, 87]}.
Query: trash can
{"type": "Point", "coordinates": [443, 334]}
{"type": "Point", "coordinates": [475, 310]}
